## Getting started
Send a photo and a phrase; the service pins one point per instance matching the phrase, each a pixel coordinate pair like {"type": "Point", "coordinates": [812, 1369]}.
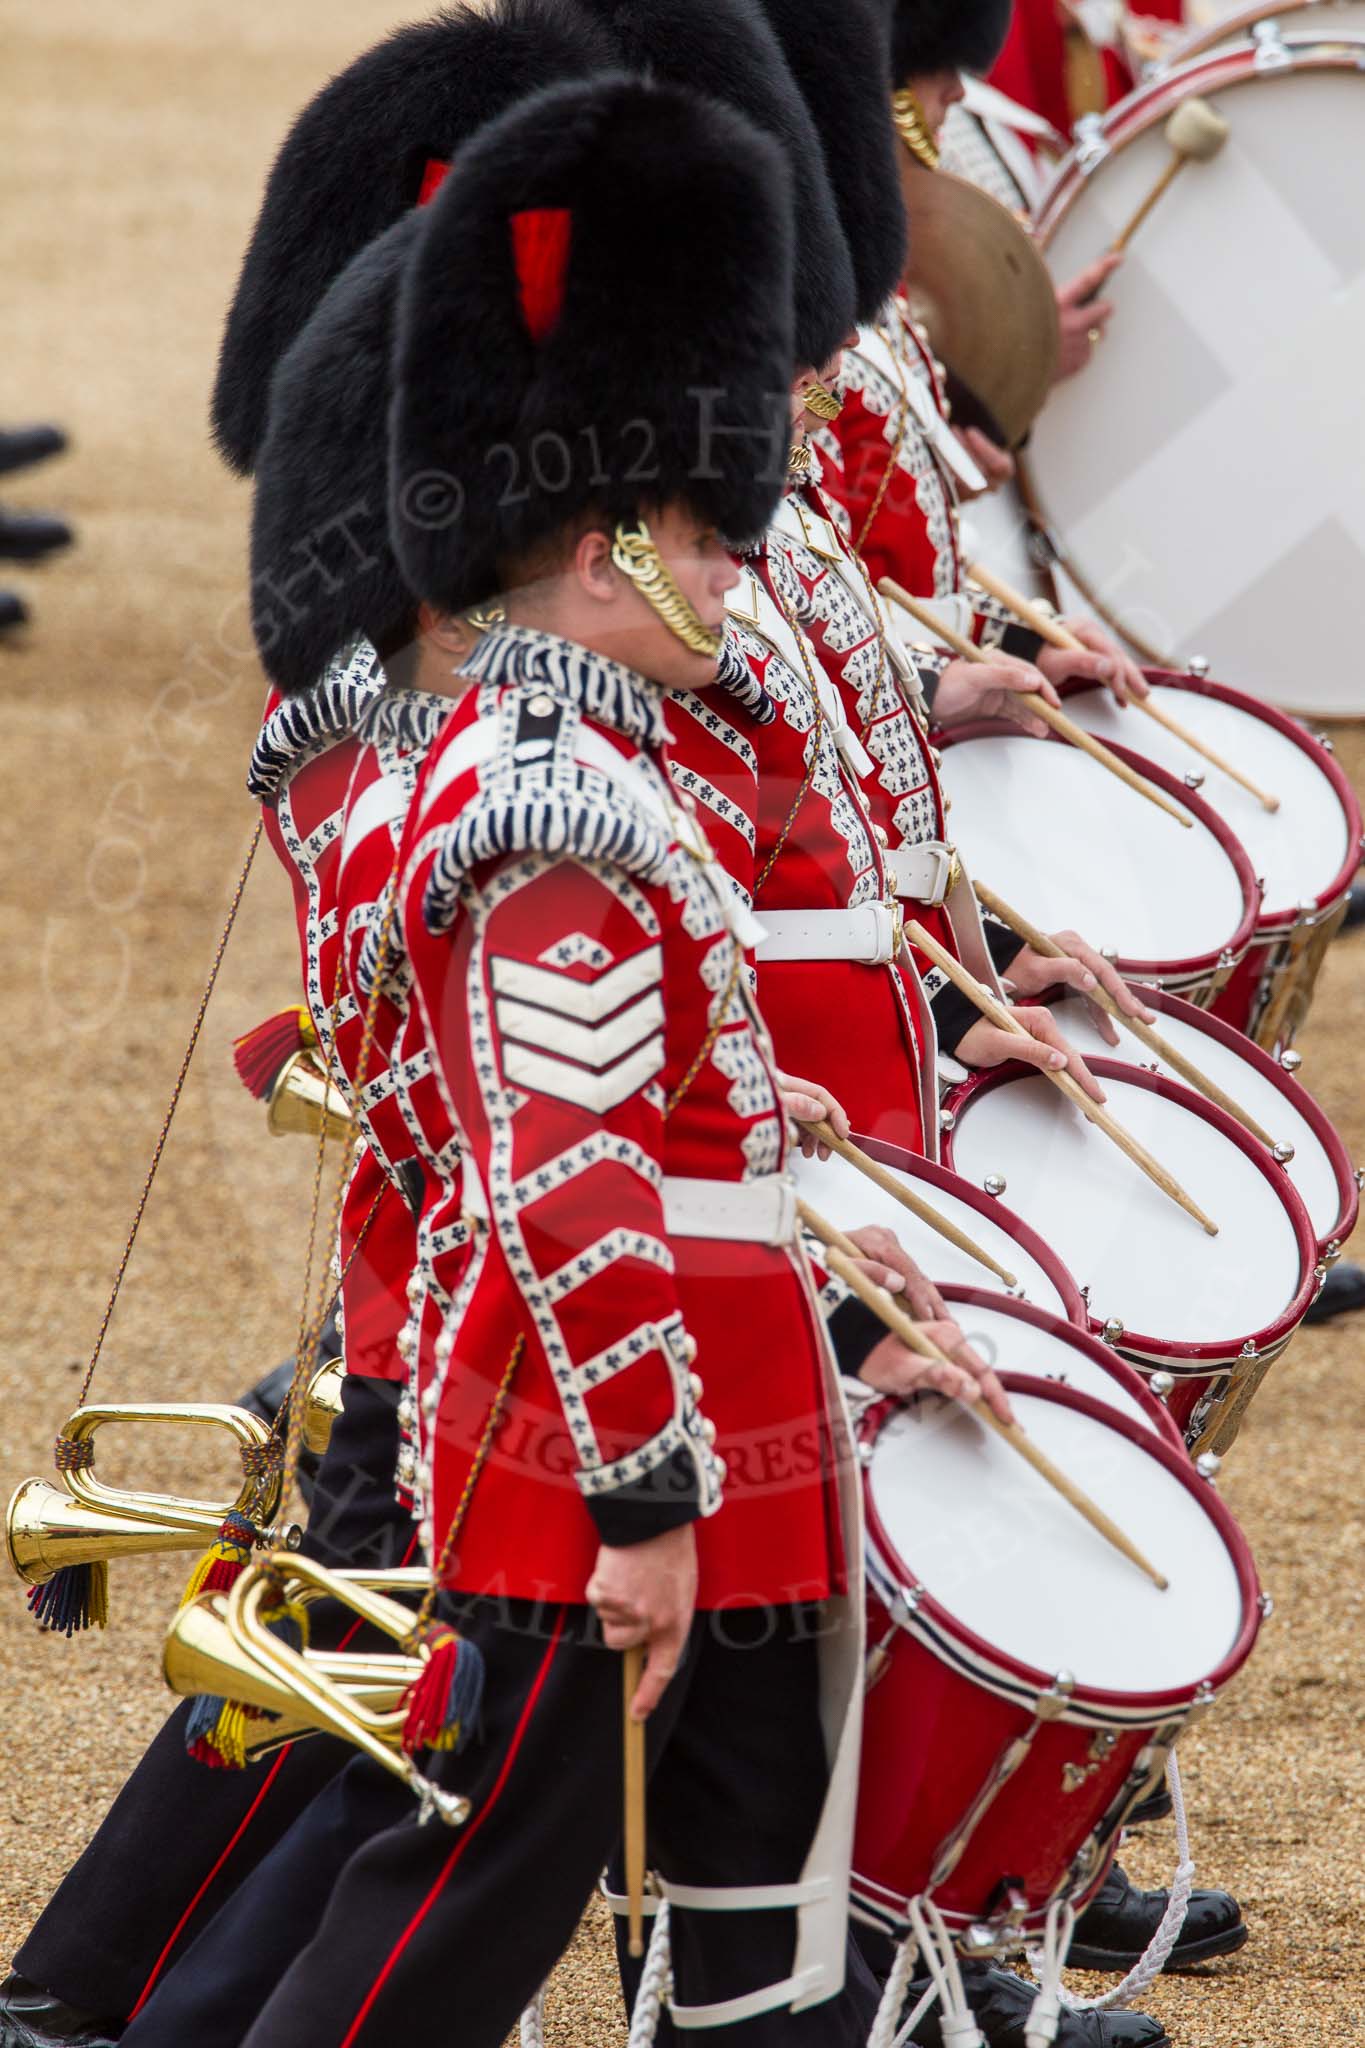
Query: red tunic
{"type": "Point", "coordinates": [582, 993]}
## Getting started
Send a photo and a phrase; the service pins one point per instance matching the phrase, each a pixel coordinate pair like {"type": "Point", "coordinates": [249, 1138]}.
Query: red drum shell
{"type": "Point", "coordinates": [933, 1730]}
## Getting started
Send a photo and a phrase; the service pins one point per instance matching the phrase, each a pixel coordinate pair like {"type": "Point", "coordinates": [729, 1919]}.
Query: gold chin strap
{"type": "Point", "coordinates": [635, 555]}
{"type": "Point", "coordinates": [912, 128]}
{"type": "Point", "coordinates": [800, 463]}
{"type": "Point", "coordinates": [821, 401]}
{"type": "Point", "coordinates": [486, 618]}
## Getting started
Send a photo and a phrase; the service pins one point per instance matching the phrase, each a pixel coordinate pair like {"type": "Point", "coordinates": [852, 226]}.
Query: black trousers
{"type": "Point", "coordinates": [180, 1838]}
{"type": "Point", "coordinates": [442, 1936]}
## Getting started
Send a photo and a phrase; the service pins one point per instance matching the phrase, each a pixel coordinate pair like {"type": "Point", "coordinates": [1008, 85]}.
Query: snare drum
{"type": "Point", "coordinates": [849, 1199]}
{"type": "Point", "coordinates": [1016, 1338]}
{"type": "Point", "coordinates": [1203, 480]}
{"type": "Point", "coordinates": [1025, 1680]}
{"type": "Point", "coordinates": [1319, 1167]}
{"type": "Point", "coordinates": [1070, 845]}
{"type": "Point", "coordinates": [1304, 854]}
{"type": "Point", "coordinates": [1214, 1312]}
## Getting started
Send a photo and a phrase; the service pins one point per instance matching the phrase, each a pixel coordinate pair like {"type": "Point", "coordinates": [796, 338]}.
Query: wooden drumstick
{"type": "Point", "coordinates": [1195, 132]}
{"type": "Point", "coordinates": [1066, 728]}
{"type": "Point", "coordinates": [908, 1199]}
{"type": "Point", "coordinates": [1004, 1020]}
{"type": "Point", "coordinates": [1150, 1037]}
{"type": "Point", "coordinates": [632, 1668]}
{"type": "Point", "coordinates": [1060, 635]}
{"type": "Point", "coordinates": [843, 1258]}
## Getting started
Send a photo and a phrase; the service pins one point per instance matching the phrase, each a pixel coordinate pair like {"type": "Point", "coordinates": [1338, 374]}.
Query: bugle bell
{"type": "Point", "coordinates": [323, 1405]}
{"type": "Point", "coordinates": [303, 1102]}
{"type": "Point", "coordinates": [83, 1522]}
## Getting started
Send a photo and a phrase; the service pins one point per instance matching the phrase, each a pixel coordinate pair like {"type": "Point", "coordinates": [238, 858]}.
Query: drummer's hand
{"type": "Point", "coordinates": [1103, 662]}
{"type": "Point", "coordinates": [891, 1368]}
{"type": "Point", "coordinates": [992, 689]}
{"type": "Point", "coordinates": [995, 463]}
{"type": "Point", "coordinates": [891, 1266]}
{"type": "Point", "coordinates": [1083, 969]}
{"type": "Point", "coordinates": [647, 1593]}
{"type": "Point", "coordinates": [988, 1045]}
{"type": "Point", "coordinates": [1079, 316]}
{"type": "Point", "coordinates": [806, 1102]}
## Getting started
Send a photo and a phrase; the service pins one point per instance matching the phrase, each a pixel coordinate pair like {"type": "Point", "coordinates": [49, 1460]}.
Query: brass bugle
{"type": "Point", "coordinates": [323, 1405]}
{"type": "Point", "coordinates": [302, 1101]}
{"type": "Point", "coordinates": [326, 1703]}
{"type": "Point", "coordinates": [201, 1655]}
{"type": "Point", "coordinates": [86, 1522]}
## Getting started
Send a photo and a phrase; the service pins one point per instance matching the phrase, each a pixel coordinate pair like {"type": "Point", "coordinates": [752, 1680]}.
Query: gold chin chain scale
{"type": "Point", "coordinates": [634, 553]}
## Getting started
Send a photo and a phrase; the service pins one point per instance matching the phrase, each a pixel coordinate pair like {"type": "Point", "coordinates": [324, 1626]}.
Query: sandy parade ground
{"type": "Point", "coordinates": [136, 139]}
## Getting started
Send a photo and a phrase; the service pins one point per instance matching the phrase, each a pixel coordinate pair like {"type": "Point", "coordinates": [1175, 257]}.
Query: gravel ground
{"type": "Point", "coordinates": [136, 138]}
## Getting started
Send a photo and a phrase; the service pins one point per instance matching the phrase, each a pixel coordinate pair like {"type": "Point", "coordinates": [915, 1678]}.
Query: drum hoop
{"type": "Point", "coordinates": [1272, 922]}
{"type": "Point", "coordinates": [931, 1622]}
{"type": "Point", "coordinates": [1218, 1352]}
{"type": "Point", "coordinates": [1084, 1340]}
{"type": "Point", "coordinates": [933, 1175]}
{"type": "Point", "coordinates": [1299, 1098]}
{"type": "Point", "coordinates": [1199, 965]}
{"type": "Point", "coordinates": [1240, 24]}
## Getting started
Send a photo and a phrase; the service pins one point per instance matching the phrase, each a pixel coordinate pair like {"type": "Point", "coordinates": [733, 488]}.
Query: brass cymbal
{"type": "Point", "coordinates": [982, 290]}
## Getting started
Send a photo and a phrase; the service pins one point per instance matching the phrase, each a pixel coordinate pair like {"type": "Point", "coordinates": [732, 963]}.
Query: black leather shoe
{"type": "Point", "coordinates": [1342, 1292]}
{"type": "Point", "coordinates": [1001, 2003]}
{"type": "Point", "coordinates": [1158, 1807]}
{"type": "Point", "coordinates": [1355, 908]}
{"type": "Point", "coordinates": [1113, 1932]}
{"type": "Point", "coordinates": [27, 536]}
{"type": "Point", "coordinates": [21, 447]}
{"type": "Point", "coordinates": [25, 445]}
{"type": "Point", "coordinates": [13, 610]}
{"type": "Point", "coordinates": [31, 2018]}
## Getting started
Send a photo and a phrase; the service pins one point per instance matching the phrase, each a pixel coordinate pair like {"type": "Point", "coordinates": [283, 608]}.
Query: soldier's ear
{"type": "Point", "coordinates": [593, 567]}
{"type": "Point", "coordinates": [450, 632]}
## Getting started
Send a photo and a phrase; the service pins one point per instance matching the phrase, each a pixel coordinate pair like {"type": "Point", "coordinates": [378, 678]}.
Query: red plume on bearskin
{"type": "Point", "coordinates": [258, 1055]}
{"type": "Point", "coordinates": [540, 249]}
{"type": "Point", "coordinates": [433, 177]}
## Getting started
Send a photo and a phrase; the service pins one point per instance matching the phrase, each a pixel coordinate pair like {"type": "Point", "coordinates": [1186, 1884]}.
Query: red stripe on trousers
{"type": "Point", "coordinates": [465, 1839]}
{"type": "Point", "coordinates": [159, 1965]}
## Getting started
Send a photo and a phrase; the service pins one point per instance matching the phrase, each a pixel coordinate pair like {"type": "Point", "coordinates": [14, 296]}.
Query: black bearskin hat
{"type": "Point", "coordinates": [358, 158]}
{"type": "Point", "coordinates": [725, 48]}
{"type": "Point", "coordinates": [322, 564]}
{"type": "Point", "coordinates": [945, 35]}
{"type": "Point", "coordinates": [837, 50]}
{"type": "Point", "coordinates": [595, 318]}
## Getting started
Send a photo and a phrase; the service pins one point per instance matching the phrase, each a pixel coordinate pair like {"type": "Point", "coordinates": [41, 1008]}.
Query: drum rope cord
{"type": "Point", "coordinates": [656, 1985]}
{"type": "Point", "coordinates": [533, 2022]}
{"type": "Point", "coordinates": [883, 2033]}
{"type": "Point", "coordinates": [1152, 1962]}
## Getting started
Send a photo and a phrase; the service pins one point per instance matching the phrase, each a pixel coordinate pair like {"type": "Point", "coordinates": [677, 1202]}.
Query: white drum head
{"type": "Point", "coordinates": [1211, 22]}
{"type": "Point", "coordinates": [1311, 1168]}
{"type": "Point", "coordinates": [1203, 474]}
{"type": "Point", "coordinates": [1011, 1344]}
{"type": "Point", "coordinates": [848, 1199]}
{"type": "Point", "coordinates": [1012, 1562]}
{"type": "Point", "coordinates": [1299, 851]}
{"type": "Point", "coordinates": [1142, 1258]}
{"type": "Point", "coordinates": [1070, 845]}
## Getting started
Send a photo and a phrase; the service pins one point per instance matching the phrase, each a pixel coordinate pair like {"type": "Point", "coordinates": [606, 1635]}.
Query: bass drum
{"type": "Point", "coordinates": [1318, 1163]}
{"type": "Point", "coordinates": [1071, 846]}
{"type": "Point", "coordinates": [1268, 25]}
{"type": "Point", "coordinates": [1202, 479]}
{"type": "Point", "coordinates": [848, 1199]}
{"type": "Point", "coordinates": [1214, 1312]}
{"type": "Point", "coordinates": [1305, 852]}
{"type": "Point", "coordinates": [1025, 1681]}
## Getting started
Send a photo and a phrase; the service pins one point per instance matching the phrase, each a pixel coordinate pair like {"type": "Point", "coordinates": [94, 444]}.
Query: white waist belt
{"type": "Point", "coordinates": [870, 933]}
{"type": "Point", "coordinates": [738, 1211]}
{"type": "Point", "coordinates": [923, 873]}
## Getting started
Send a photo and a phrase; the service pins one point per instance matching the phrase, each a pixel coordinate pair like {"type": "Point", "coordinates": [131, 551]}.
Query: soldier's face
{"type": "Point", "coordinates": [703, 571]}
{"type": "Point", "coordinates": [936, 91]}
